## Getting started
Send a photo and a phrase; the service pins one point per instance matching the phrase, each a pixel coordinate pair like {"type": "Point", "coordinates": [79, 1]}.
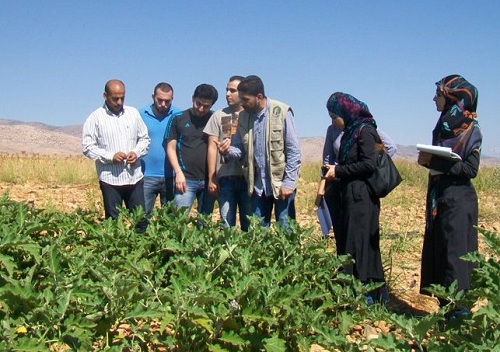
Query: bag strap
{"type": "Point", "coordinates": [379, 145]}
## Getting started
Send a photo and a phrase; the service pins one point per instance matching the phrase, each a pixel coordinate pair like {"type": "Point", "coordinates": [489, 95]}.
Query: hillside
{"type": "Point", "coordinates": [38, 138]}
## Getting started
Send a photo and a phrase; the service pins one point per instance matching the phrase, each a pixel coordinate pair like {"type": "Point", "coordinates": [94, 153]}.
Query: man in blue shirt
{"type": "Point", "coordinates": [158, 173]}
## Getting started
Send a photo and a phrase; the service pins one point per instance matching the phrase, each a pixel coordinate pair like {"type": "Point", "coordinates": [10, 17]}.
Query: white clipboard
{"type": "Point", "coordinates": [444, 152]}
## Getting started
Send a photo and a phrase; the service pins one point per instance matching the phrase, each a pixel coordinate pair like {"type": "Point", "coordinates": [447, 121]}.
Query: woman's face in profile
{"type": "Point", "coordinates": [440, 100]}
{"type": "Point", "coordinates": [337, 120]}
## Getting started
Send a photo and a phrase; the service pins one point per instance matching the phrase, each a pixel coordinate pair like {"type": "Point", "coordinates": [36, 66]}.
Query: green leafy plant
{"type": "Point", "coordinates": [70, 281]}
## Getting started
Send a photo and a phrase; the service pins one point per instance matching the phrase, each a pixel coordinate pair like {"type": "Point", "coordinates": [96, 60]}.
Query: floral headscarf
{"type": "Point", "coordinates": [457, 127]}
{"type": "Point", "coordinates": [355, 113]}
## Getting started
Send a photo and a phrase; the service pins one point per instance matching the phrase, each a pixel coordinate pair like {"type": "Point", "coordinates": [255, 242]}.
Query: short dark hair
{"type": "Point", "coordinates": [206, 91]}
{"type": "Point", "coordinates": [236, 78]}
{"type": "Point", "coordinates": [251, 85]}
{"type": "Point", "coordinates": [164, 87]}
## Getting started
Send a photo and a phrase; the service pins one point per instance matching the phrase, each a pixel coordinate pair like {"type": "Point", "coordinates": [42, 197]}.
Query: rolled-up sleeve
{"type": "Point", "coordinates": [389, 144]}
{"type": "Point", "coordinates": [236, 150]}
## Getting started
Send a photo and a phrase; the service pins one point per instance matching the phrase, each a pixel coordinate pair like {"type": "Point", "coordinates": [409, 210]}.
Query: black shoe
{"type": "Point", "coordinates": [458, 313]}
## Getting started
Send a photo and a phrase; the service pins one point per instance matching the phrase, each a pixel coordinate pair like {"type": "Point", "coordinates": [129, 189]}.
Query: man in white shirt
{"type": "Point", "coordinates": [115, 137]}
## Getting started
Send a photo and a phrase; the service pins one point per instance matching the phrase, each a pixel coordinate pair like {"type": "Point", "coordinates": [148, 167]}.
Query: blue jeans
{"type": "Point", "coordinates": [262, 206]}
{"type": "Point", "coordinates": [233, 193]}
{"type": "Point", "coordinates": [195, 189]}
{"type": "Point", "coordinates": [132, 195]}
{"type": "Point", "coordinates": [157, 186]}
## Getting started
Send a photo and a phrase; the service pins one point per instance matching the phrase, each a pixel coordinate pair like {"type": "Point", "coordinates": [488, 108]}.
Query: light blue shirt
{"type": "Point", "coordinates": [155, 163]}
{"type": "Point", "coordinates": [262, 183]}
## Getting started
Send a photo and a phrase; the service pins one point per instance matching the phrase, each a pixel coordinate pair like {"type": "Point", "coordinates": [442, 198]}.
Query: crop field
{"type": "Point", "coordinates": [71, 281]}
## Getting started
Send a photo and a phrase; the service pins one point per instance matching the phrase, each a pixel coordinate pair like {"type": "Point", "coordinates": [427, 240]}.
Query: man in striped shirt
{"type": "Point", "coordinates": [115, 137]}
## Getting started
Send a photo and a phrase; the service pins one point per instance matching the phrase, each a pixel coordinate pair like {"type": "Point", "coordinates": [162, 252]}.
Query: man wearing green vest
{"type": "Point", "coordinates": [268, 145]}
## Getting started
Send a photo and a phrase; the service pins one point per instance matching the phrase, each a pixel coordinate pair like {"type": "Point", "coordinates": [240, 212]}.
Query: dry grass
{"type": "Point", "coordinates": [46, 169]}
{"type": "Point", "coordinates": [55, 177]}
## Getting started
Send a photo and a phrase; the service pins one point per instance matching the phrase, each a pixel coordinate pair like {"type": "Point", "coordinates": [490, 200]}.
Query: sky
{"type": "Point", "coordinates": [56, 56]}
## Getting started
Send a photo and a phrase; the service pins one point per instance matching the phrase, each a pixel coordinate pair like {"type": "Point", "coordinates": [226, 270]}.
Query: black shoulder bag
{"type": "Point", "coordinates": [386, 176]}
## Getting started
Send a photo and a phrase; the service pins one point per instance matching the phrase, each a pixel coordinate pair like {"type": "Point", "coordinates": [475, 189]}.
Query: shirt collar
{"type": "Point", "coordinates": [261, 113]}
{"type": "Point", "coordinates": [109, 112]}
{"type": "Point", "coordinates": [150, 112]}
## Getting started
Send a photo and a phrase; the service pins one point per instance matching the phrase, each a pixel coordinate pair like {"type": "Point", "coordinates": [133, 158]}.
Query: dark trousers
{"type": "Point", "coordinates": [131, 195]}
{"type": "Point", "coordinates": [333, 201]}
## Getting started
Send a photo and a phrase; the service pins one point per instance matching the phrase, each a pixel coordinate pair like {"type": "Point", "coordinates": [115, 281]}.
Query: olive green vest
{"type": "Point", "coordinates": [275, 145]}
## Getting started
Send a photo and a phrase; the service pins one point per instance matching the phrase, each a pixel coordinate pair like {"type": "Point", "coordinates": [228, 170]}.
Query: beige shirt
{"type": "Point", "coordinates": [223, 124]}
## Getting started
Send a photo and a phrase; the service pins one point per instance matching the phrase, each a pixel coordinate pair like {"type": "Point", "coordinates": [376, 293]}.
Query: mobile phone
{"type": "Point", "coordinates": [324, 170]}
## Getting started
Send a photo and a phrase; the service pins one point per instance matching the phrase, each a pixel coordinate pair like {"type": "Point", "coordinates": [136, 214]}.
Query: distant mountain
{"type": "Point", "coordinates": [409, 152]}
{"type": "Point", "coordinates": [40, 138]}
{"type": "Point", "coordinates": [74, 130]}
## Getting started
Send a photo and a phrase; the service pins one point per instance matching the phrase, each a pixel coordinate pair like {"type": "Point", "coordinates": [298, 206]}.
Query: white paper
{"type": "Point", "coordinates": [444, 152]}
